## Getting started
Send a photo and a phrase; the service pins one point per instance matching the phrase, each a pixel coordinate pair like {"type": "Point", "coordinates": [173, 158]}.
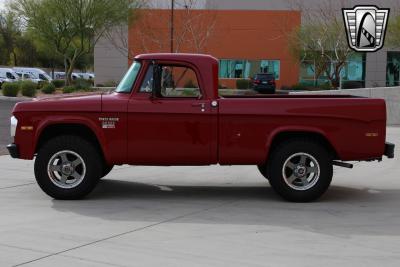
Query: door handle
{"type": "Point", "coordinates": [201, 105]}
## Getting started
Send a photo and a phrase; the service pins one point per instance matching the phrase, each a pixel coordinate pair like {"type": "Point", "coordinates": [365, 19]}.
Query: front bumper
{"type": "Point", "coordinates": [13, 150]}
{"type": "Point", "coordinates": [389, 150]}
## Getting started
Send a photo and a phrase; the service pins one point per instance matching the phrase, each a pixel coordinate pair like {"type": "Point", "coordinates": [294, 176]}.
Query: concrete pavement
{"type": "Point", "coordinates": [202, 216]}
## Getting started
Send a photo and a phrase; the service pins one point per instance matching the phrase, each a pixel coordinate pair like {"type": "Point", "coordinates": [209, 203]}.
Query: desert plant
{"type": "Point", "coordinates": [28, 88]}
{"type": "Point", "coordinates": [10, 89]}
{"type": "Point", "coordinates": [49, 88]}
{"type": "Point", "coordinates": [243, 84]}
{"type": "Point", "coordinates": [58, 83]}
{"type": "Point", "coordinates": [299, 87]}
{"type": "Point", "coordinates": [82, 84]}
{"type": "Point", "coordinates": [69, 89]}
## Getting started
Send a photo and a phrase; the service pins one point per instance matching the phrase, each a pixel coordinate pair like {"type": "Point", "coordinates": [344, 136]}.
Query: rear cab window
{"type": "Point", "coordinates": [176, 82]}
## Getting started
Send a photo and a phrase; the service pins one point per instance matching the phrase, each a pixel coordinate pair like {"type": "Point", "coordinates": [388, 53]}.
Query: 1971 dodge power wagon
{"type": "Point", "coordinates": [167, 111]}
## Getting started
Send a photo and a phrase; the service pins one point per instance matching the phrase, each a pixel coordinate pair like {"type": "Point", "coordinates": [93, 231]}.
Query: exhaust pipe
{"type": "Point", "coordinates": [342, 164]}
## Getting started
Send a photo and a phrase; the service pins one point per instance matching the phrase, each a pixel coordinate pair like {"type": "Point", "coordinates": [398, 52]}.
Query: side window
{"type": "Point", "coordinates": [177, 81]}
{"type": "Point", "coordinates": [9, 75]}
{"type": "Point", "coordinates": [147, 84]}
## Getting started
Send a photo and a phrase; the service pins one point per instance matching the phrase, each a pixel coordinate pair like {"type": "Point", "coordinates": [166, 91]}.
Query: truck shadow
{"type": "Point", "coordinates": [342, 211]}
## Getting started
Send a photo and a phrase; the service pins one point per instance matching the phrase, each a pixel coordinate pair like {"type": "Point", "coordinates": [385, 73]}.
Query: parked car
{"type": "Point", "coordinates": [87, 76]}
{"type": "Point", "coordinates": [29, 77]}
{"type": "Point", "coordinates": [264, 83]}
{"type": "Point", "coordinates": [59, 75]}
{"type": "Point", "coordinates": [8, 75]}
{"type": "Point", "coordinates": [36, 73]}
{"type": "Point", "coordinates": [152, 119]}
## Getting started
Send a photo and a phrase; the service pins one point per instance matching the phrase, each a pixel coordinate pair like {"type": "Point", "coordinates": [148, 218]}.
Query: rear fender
{"type": "Point", "coordinates": [295, 129]}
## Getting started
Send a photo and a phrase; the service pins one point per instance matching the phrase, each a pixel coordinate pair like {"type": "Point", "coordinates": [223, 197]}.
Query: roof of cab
{"type": "Point", "coordinates": [176, 56]}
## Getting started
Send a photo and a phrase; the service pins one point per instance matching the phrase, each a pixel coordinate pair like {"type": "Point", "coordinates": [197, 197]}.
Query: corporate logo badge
{"type": "Point", "coordinates": [366, 27]}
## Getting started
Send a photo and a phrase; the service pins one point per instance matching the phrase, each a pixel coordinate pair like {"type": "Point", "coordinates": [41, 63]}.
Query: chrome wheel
{"type": "Point", "coordinates": [301, 171]}
{"type": "Point", "coordinates": [66, 169]}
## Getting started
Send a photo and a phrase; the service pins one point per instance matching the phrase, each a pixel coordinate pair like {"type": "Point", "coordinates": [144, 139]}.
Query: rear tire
{"type": "Point", "coordinates": [68, 167]}
{"type": "Point", "coordinates": [300, 170]}
{"type": "Point", "coordinates": [263, 170]}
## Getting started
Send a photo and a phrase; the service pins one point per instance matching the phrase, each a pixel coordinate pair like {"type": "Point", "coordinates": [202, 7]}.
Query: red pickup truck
{"type": "Point", "coordinates": [167, 111]}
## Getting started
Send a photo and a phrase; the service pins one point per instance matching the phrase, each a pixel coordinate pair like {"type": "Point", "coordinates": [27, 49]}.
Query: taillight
{"type": "Point", "coordinates": [256, 81]}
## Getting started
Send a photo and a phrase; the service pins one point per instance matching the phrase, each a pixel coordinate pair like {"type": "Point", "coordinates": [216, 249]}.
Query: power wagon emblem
{"type": "Point", "coordinates": [108, 123]}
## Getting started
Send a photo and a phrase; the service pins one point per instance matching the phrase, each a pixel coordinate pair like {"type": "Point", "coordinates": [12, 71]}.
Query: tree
{"type": "Point", "coordinates": [72, 27]}
{"type": "Point", "coordinates": [118, 35]}
{"type": "Point", "coordinates": [193, 28]}
{"type": "Point", "coordinates": [322, 40]}
{"type": "Point", "coordinates": [393, 32]}
{"type": "Point", "coordinates": [9, 32]}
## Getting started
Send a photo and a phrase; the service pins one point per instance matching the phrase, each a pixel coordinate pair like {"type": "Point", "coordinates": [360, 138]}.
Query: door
{"type": "Point", "coordinates": [174, 128]}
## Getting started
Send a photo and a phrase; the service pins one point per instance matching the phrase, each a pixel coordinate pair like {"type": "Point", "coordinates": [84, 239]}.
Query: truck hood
{"type": "Point", "coordinates": [76, 103]}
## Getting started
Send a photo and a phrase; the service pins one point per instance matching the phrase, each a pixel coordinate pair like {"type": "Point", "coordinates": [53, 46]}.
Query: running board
{"type": "Point", "coordinates": [342, 164]}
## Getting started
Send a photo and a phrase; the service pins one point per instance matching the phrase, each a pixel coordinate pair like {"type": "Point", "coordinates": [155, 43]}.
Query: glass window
{"type": "Point", "coordinates": [179, 82]}
{"type": "Point", "coordinates": [147, 84]}
{"type": "Point", "coordinates": [244, 69]}
{"type": "Point", "coordinates": [125, 86]}
{"type": "Point", "coordinates": [10, 75]}
{"type": "Point", "coordinates": [42, 77]}
{"type": "Point", "coordinates": [353, 71]}
{"type": "Point", "coordinates": [393, 69]}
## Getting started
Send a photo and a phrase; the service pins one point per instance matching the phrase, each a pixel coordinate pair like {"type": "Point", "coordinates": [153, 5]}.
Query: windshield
{"type": "Point", "coordinates": [44, 76]}
{"type": "Point", "coordinates": [125, 86]}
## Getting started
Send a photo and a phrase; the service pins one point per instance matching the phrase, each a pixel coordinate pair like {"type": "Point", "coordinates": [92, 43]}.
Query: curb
{"type": "Point", "coordinates": [15, 99]}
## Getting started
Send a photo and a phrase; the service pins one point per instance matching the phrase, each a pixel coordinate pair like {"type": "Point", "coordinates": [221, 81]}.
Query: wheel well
{"type": "Point", "coordinates": [68, 129]}
{"type": "Point", "coordinates": [317, 137]}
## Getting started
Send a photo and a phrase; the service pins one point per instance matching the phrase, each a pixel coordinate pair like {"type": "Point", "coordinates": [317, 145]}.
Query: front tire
{"type": "Point", "coordinates": [300, 170]}
{"type": "Point", "coordinates": [68, 167]}
{"type": "Point", "coordinates": [106, 170]}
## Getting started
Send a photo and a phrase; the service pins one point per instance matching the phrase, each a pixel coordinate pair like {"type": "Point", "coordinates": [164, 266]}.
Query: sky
{"type": "Point", "coordinates": [2, 2]}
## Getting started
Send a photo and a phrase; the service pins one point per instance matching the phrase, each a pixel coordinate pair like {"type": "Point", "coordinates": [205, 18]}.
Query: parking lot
{"type": "Point", "coordinates": [202, 216]}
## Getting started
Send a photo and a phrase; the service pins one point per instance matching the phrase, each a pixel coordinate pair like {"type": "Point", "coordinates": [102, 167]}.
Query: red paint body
{"type": "Point", "coordinates": [176, 132]}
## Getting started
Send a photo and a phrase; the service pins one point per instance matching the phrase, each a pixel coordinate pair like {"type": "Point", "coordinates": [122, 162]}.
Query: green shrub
{"type": "Point", "coordinates": [42, 84]}
{"type": "Point", "coordinates": [285, 87]}
{"type": "Point", "coordinates": [352, 85]}
{"type": "Point", "coordinates": [10, 89]}
{"type": "Point", "coordinates": [28, 88]}
{"type": "Point", "coordinates": [82, 84]}
{"type": "Point", "coordinates": [110, 84]}
{"type": "Point", "coordinates": [190, 84]}
{"type": "Point", "coordinates": [299, 87]}
{"type": "Point", "coordinates": [49, 88]}
{"type": "Point", "coordinates": [69, 89]}
{"type": "Point", "coordinates": [58, 83]}
{"type": "Point", "coordinates": [242, 84]}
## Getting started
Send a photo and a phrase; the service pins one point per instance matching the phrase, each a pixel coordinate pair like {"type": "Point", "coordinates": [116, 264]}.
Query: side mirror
{"type": "Point", "coordinates": [156, 90]}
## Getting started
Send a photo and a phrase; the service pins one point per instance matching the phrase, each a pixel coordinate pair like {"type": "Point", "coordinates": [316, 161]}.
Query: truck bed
{"type": "Point", "coordinates": [354, 126]}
